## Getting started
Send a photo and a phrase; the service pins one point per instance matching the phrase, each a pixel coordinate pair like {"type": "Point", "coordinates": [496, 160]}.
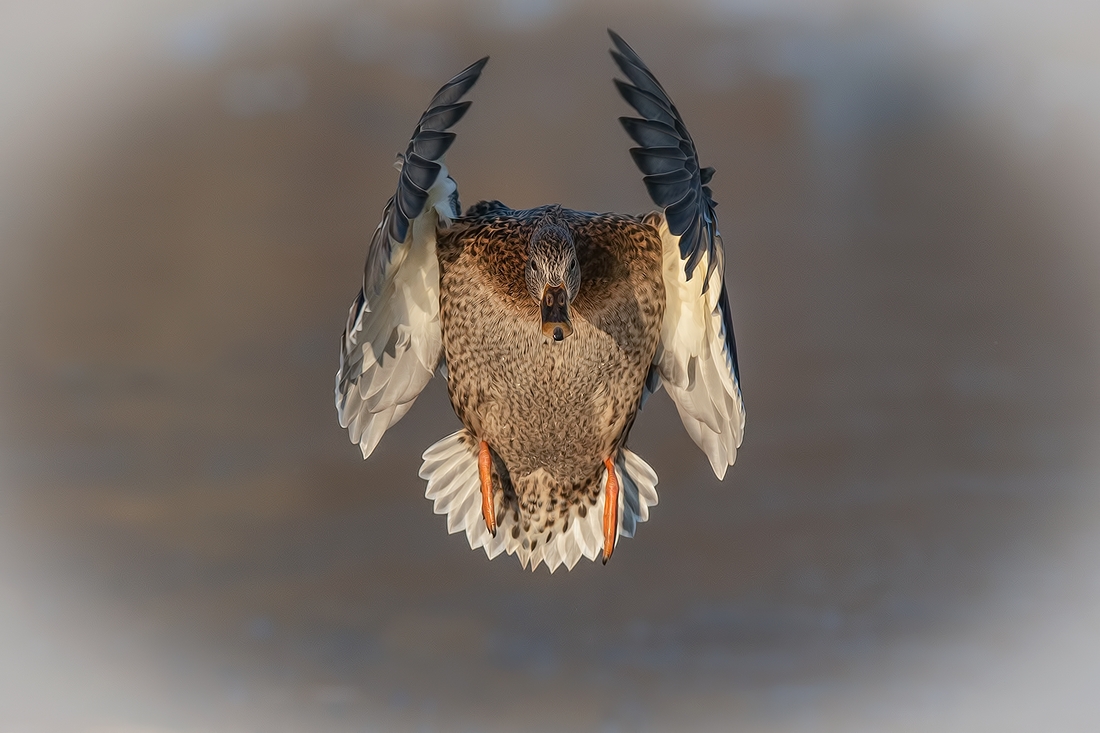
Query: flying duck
{"type": "Point", "coordinates": [551, 327]}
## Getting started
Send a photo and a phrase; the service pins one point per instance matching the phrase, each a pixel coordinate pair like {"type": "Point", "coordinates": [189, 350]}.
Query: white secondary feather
{"type": "Point", "coordinates": [450, 467]}
{"type": "Point", "coordinates": [693, 360]}
{"type": "Point", "coordinates": [392, 345]}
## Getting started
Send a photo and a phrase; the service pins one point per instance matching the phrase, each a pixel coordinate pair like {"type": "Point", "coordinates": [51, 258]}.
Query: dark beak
{"type": "Point", "coordinates": [555, 312]}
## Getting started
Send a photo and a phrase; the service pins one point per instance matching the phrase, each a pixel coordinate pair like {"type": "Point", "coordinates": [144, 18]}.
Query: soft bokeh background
{"type": "Point", "coordinates": [908, 542]}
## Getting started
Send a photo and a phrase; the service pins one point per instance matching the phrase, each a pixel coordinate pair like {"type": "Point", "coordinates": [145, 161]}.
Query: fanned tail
{"type": "Point", "coordinates": [450, 468]}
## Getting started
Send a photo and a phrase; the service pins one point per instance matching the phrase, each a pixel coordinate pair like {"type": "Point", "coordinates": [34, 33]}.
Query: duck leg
{"type": "Point", "coordinates": [610, 511]}
{"type": "Point", "coordinates": [485, 472]}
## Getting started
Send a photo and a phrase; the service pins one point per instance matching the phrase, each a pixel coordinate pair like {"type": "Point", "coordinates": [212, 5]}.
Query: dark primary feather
{"type": "Point", "coordinates": [658, 160]}
{"type": "Point", "coordinates": [648, 105]}
{"type": "Point", "coordinates": [673, 177]}
{"type": "Point", "coordinates": [430, 140]}
{"type": "Point", "coordinates": [420, 168]}
{"type": "Point", "coordinates": [668, 159]}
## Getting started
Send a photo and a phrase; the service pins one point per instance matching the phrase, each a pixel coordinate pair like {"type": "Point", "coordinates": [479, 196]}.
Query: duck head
{"type": "Point", "coordinates": [553, 276]}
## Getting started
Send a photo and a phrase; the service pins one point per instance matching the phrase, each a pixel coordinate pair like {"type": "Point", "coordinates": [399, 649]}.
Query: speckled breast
{"type": "Point", "coordinates": [560, 406]}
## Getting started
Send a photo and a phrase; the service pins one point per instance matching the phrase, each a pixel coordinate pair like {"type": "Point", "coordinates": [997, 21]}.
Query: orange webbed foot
{"type": "Point", "coordinates": [610, 511]}
{"type": "Point", "coordinates": [485, 472]}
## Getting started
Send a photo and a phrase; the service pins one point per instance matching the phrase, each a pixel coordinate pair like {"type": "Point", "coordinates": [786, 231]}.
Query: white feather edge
{"type": "Point", "coordinates": [692, 360]}
{"type": "Point", "coordinates": [454, 487]}
{"type": "Point", "coordinates": [406, 313]}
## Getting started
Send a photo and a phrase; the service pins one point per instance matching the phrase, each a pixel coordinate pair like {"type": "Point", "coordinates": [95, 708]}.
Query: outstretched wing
{"type": "Point", "coordinates": [391, 344]}
{"type": "Point", "coordinates": [697, 358]}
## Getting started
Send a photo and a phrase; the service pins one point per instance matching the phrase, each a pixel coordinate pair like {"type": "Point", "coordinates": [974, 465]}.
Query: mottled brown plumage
{"type": "Point", "coordinates": [551, 411]}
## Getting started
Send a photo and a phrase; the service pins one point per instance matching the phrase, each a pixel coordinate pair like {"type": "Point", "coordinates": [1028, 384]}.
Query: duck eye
{"type": "Point", "coordinates": [572, 264]}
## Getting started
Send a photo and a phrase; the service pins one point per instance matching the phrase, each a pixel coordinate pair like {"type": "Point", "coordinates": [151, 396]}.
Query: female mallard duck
{"type": "Point", "coordinates": [552, 327]}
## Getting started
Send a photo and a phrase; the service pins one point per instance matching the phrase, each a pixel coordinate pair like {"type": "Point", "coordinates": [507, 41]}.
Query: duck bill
{"type": "Point", "coordinates": [555, 312]}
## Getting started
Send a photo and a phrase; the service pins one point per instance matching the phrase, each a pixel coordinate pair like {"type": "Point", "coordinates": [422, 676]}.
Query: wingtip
{"type": "Point", "coordinates": [473, 70]}
{"type": "Point", "coordinates": [620, 44]}
{"type": "Point", "coordinates": [624, 52]}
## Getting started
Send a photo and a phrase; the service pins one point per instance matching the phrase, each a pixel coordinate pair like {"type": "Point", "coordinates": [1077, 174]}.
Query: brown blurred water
{"type": "Point", "coordinates": [195, 545]}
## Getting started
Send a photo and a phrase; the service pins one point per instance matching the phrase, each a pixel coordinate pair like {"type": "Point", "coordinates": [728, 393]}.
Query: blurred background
{"type": "Point", "coordinates": [908, 542]}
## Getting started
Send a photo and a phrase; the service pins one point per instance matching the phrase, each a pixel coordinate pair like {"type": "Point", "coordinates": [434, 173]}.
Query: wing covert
{"type": "Point", "coordinates": [392, 342]}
